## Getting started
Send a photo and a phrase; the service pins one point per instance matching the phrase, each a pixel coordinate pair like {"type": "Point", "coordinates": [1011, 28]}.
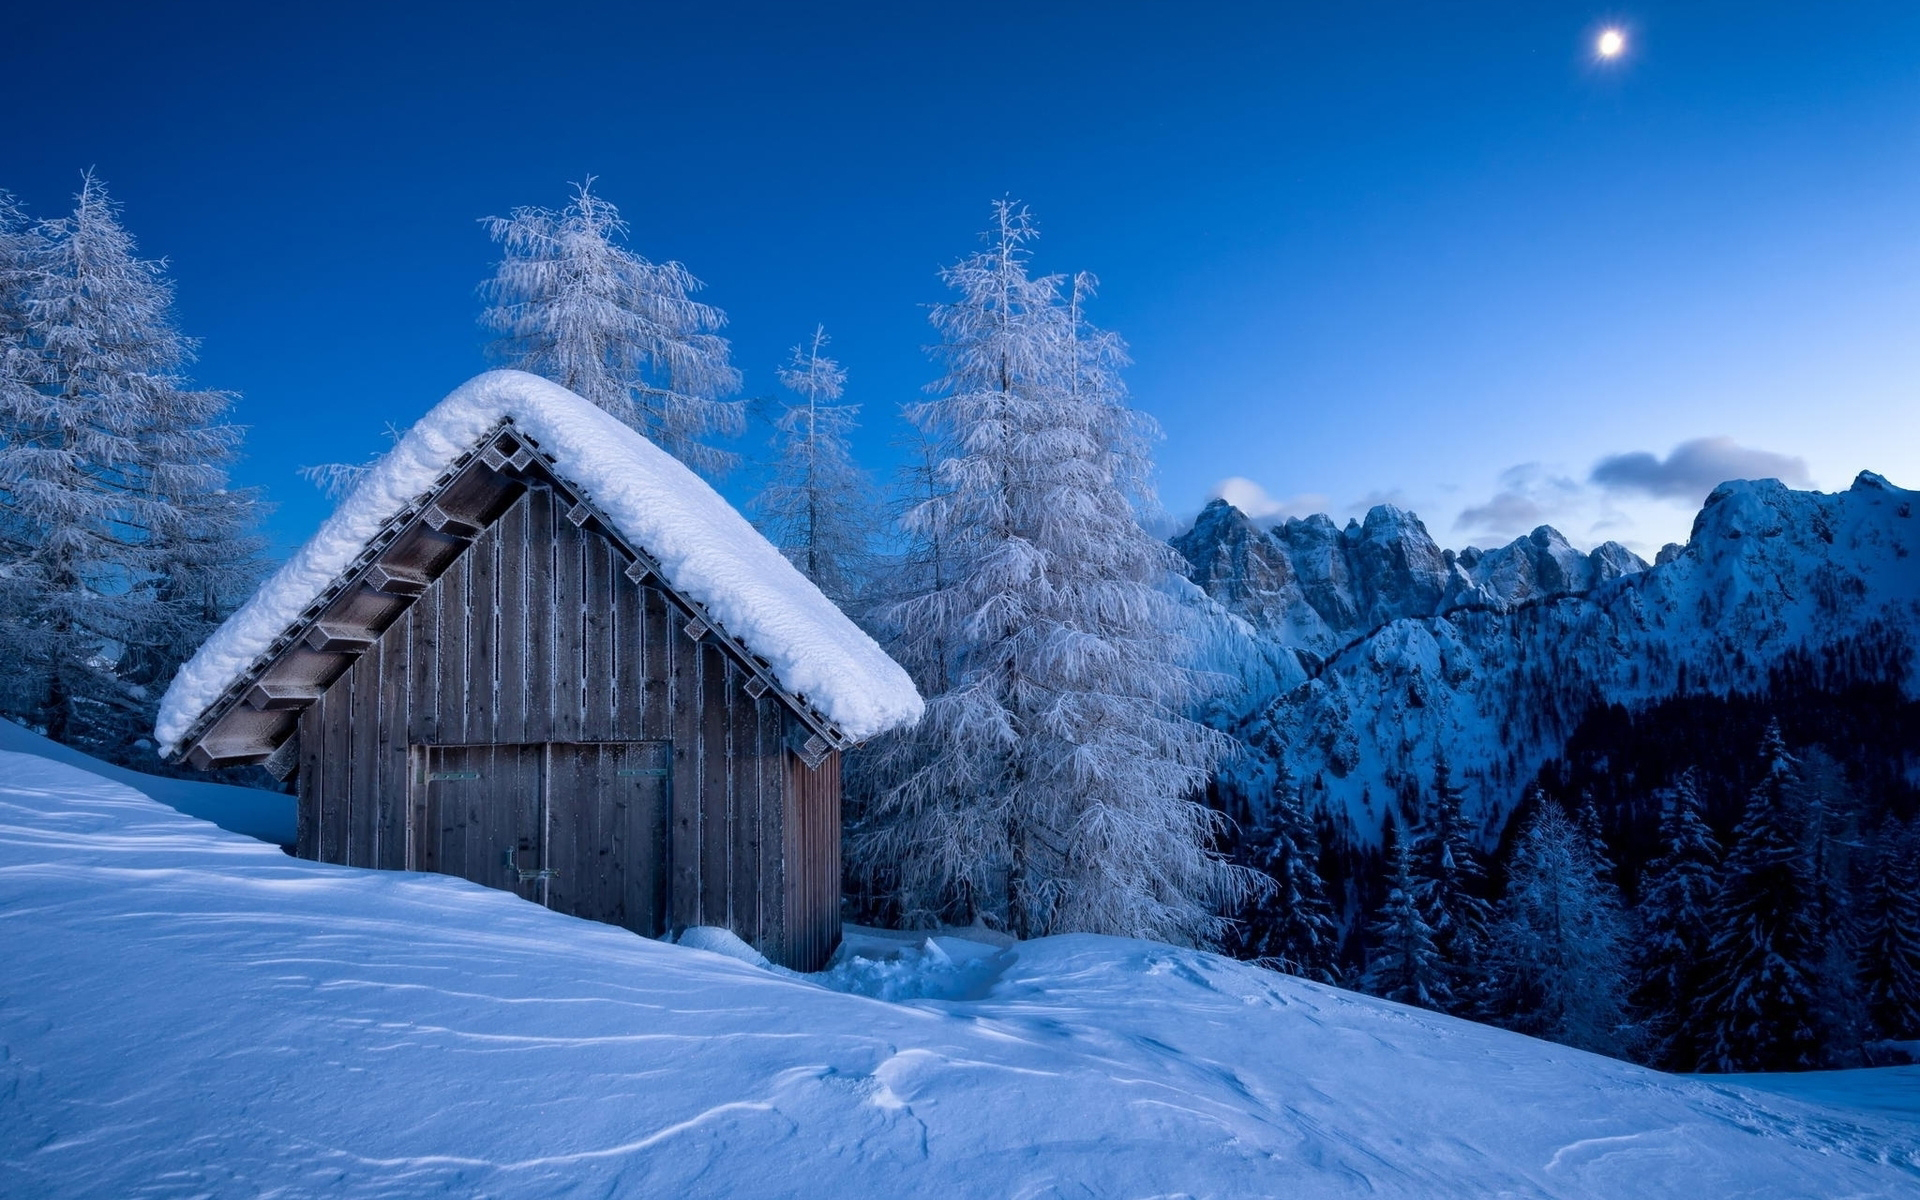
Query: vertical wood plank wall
{"type": "Point", "coordinates": [813, 860]}
{"type": "Point", "coordinates": [535, 634]}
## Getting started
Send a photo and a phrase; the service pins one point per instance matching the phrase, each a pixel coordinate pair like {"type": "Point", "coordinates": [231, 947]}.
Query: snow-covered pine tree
{"type": "Point", "coordinates": [1448, 881]}
{"type": "Point", "coordinates": [21, 251]}
{"type": "Point", "coordinates": [924, 561]}
{"type": "Point", "coordinates": [570, 301]}
{"type": "Point", "coordinates": [1587, 818]}
{"type": "Point", "coordinates": [1404, 964]}
{"type": "Point", "coordinates": [1675, 901]}
{"type": "Point", "coordinates": [122, 544]}
{"type": "Point", "coordinates": [906, 565]}
{"type": "Point", "coordinates": [1559, 940]}
{"type": "Point", "coordinates": [206, 553]}
{"type": "Point", "coordinates": [1760, 990]}
{"type": "Point", "coordinates": [18, 245]}
{"type": "Point", "coordinates": [1050, 786]}
{"type": "Point", "coordinates": [68, 471]}
{"type": "Point", "coordinates": [1290, 926]}
{"type": "Point", "coordinates": [1890, 935]}
{"type": "Point", "coordinates": [1832, 836]}
{"type": "Point", "coordinates": [817, 506]}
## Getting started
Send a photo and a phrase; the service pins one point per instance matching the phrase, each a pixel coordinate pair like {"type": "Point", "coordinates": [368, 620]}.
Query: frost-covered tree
{"type": "Point", "coordinates": [817, 506]}
{"type": "Point", "coordinates": [1050, 786]}
{"type": "Point", "coordinates": [1587, 818]}
{"type": "Point", "coordinates": [122, 544]}
{"type": "Point", "coordinates": [1448, 882]}
{"type": "Point", "coordinates": [21, 253]}
{"type": "Point", "coordinates": [1761, 986]}
{"type": "Point", "coordinates": [1289, 926]}
{"type": "Point", "coordinates": [1559, 942]}
{"type": "Point", "coordinates": [1675, 906]}
{"type": "Point", "coordinates": [926, 561]}
{"type": "Point", "coordinates": [18, 246]}
{"type": "Point", "coordinates": [1890, 935]}
{"type": "Point", "coordinates": [570, 301]}
{"type": "Point", "coordinates": [905, 567]}
{"type": "Point", "coordinates": [1832, 837]}
{"type": "Point", "coordinates": [1405, 965]}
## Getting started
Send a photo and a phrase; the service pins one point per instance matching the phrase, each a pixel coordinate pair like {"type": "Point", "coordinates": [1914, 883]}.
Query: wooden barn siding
{"type": "Point", "coordinates": [535, 634]}
{"type": "Point", "coordinates": [813, 849]}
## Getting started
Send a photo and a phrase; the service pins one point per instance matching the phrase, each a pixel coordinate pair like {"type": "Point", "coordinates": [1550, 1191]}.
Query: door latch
{"type": "Point", "coordinates": [522, 875]}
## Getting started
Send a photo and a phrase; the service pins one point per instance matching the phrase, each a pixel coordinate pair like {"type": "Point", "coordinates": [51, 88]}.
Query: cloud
{"type": "Point", "coordinates": [1505, 512]}
{"type": "Point", "coordinates": [1695, 468]}
{"type": "Point", "coordinates": [1530, 495]}
{"type": "Point", "coordinates": [1253, 500]}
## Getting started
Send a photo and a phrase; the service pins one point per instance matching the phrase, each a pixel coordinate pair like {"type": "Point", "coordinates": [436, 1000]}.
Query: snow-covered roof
{"type": "Point", "coordinates": [704, 549]}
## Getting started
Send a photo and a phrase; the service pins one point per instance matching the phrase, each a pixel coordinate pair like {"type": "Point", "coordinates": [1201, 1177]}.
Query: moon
{"type": "Point", "coordinates": [1612, 42]}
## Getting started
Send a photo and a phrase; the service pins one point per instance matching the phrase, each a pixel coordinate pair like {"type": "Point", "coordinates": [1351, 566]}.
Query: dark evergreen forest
{"type": "Point", "coordinates": [1705, 882]}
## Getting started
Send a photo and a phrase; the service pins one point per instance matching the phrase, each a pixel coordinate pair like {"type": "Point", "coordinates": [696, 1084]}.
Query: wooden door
{"type": "Point", "coordinates": [579, 827]}
{"type": "Point", "coordinates": [478, 813]}
{"type": "Point", "coordinates": [607, 818]}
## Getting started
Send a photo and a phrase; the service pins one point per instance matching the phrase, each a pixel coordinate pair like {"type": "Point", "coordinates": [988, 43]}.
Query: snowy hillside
{"type": "Point", "coordinates": [268, 816]}
{"type": "Point", "coordinates": [187, 1012]}
{"type": "Point", "coordinates": [1373, 649]}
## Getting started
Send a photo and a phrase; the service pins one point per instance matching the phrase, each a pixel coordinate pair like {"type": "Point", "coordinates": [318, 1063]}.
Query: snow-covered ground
{"type": "Point", "coordinates": [269, 816]}
{"type": "Point", "coordinates": [185, 1012]}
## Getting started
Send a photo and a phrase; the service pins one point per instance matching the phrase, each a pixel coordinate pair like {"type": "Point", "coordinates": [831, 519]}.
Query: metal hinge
{"type": "Point", "coordinates": [649, 773]}
{"type": "Point", "coordinates": [437, 776]}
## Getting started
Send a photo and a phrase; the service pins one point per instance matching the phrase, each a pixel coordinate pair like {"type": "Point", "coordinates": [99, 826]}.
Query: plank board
{"type": "Point", "coordinates": [717, 770]}
{"type": "Point", "coordinates": [538, 566]}
{"type": "Point", "coordinates": [569, 636]}
{"type": "Point", "coordinates": [336, 720]}
{"type": "Point", "coordinates": [363, 759]}
{"type": "Point", "coordinates": [512, 584]}
{"type": "Point", "coordinates": [483, 639]}
{"type": "Point", "coordinates": [390, 747]}
{"type": "Point", "coordinates": [598, 654]}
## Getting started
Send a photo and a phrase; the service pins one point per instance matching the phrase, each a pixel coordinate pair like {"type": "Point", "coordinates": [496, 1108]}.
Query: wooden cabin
{"type": "Point", "coordinates": [500, 679]}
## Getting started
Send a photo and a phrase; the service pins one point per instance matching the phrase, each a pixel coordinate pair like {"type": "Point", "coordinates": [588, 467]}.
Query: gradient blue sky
{"type": "Point", "coordinates": [1431, 252]}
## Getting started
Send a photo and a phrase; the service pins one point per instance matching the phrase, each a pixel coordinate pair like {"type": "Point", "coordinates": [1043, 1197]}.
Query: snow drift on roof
{"type": "Point", "coordinates": [705, 548]}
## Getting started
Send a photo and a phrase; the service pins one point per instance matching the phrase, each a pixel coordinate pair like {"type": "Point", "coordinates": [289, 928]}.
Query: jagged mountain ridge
{"type": "Point", "coordinates": [1362, 655]}
{"type": "Point", "coordinates": [1316, 587]}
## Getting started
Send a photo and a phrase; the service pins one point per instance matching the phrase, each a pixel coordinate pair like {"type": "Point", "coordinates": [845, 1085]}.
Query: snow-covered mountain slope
{"type": "Point", "coordinates": [1404, 652]}
{"type": "Point", "coordinates": [269, 816]}
{"type": "Point", "coordinates": [186, 1012]}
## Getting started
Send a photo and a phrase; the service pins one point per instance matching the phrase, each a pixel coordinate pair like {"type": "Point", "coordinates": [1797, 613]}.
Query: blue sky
{"type": "Point", "coordinates": [1435, 253]}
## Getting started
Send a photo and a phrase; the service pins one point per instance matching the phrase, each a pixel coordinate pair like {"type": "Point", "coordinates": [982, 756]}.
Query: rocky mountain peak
{"type": "Point", "coordinates": [1239, 564]}
{"type": "Point", "coordinates": [1317, 586]}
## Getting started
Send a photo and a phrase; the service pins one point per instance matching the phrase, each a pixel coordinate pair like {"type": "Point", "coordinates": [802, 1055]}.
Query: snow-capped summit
{"type": "Point", "coordinates": [1541, 565]}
